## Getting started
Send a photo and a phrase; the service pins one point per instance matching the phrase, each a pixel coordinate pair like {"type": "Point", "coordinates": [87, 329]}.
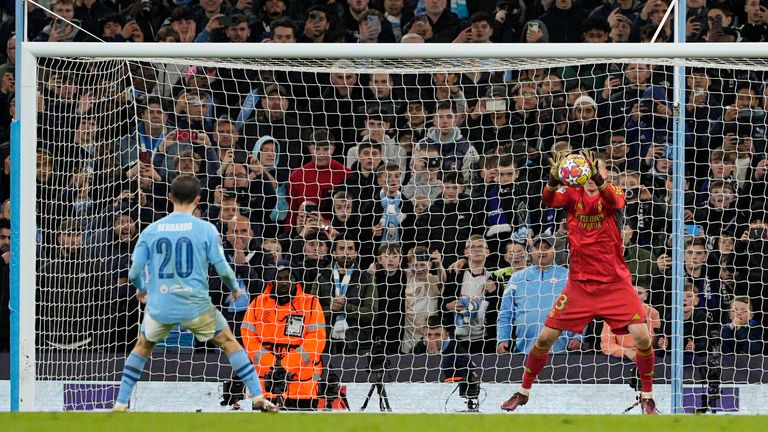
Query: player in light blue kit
{"type": "Point", "coordinates": [175, 252]}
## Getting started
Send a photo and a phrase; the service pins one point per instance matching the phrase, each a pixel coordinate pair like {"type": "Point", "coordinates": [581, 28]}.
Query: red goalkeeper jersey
{"type": "Point", "coordinates": [593, 232]}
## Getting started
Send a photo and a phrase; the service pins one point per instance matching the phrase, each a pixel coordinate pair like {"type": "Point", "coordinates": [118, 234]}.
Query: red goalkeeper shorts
{"type": "Point", "coordinates": [615, 302]}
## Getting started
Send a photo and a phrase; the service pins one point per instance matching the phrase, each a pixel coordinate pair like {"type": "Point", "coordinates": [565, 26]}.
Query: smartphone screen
{"type": "Point", "coordinates": [373, 22]}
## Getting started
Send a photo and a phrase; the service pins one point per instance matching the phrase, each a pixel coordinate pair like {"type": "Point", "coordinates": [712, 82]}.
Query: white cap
{"type": "Point", "coordinates": [585, 99]}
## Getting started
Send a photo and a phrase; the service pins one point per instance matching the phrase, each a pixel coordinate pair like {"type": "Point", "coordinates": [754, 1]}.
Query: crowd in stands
{"type": "Point", "coordinates": [424, 187]}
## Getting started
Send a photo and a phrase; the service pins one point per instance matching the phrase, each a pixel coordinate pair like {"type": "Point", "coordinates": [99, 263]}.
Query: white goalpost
{"type": "Point", "coordinates": [86, 112]}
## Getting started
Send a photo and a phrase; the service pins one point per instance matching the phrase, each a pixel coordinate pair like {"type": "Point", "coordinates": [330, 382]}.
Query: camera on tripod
{"type": "Point", "coordinates": [377, 358]}
{"type": "Point", "coordinates": [469, 389]}
{"type": "Point", "coordinates": [377, 368]}
{"type": "Point", "coordinates": [711, 371]}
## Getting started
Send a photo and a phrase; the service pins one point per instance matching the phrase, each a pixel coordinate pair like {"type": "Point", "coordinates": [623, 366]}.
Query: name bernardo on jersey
{"type": "Point", "coordinates": [174, 227]}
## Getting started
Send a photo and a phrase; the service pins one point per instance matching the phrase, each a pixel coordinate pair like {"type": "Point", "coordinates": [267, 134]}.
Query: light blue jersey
{"type": "Point", "coordinates": [529, 296]}
{"type": "Point", "coordinates": [171, 262]}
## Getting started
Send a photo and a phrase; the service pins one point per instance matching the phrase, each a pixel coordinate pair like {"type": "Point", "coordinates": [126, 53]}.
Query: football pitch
{"type": "Point", "coordinates": [208, 422]}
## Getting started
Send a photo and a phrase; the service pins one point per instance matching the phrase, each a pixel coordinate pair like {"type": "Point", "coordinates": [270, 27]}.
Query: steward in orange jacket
{"type": "Point", "coordinates": [286, 324]}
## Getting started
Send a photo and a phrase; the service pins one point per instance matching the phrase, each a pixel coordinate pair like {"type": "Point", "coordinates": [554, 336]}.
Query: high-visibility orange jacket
{"type": "Point", "coordinates": [295, 332]}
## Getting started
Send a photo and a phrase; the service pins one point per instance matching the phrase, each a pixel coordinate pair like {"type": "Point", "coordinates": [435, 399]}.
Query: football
{"type": "Point", "coordinates": [575, 170]}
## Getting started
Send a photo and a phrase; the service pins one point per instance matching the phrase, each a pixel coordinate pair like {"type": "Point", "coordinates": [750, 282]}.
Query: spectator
{"type": "Point", "coordinates": [347, 296]}
{"type": "Point", "coordinates": [596, 29]}
{"type": "Point", "coordinates": [274, 117]}
{"type": "Point", "coordinates": [317, 26]}
{"type": "Point", "coordinates": [516, 255]}
{"type": "Point", "coordinates": [621, 27]}
{"type": "Point", "coordinates": [755, 29]}
{"type": "Point", "coordinates": [391, 282]}
{"type": "Point", "coordinates": [150, 133]}
{"type": "Point", "coordinates": [425, 171]}
{"type": "Point", "coordinates": [184, 23]}
{"type": "Point", "coordinates": [454, 148]}
{"type": "Point", "coordinates": [354, 16]}
{"type": "Point", "coordinates": [471, 295]}
{"type": "Point", "coordinates": [719, 213]}
{"type": "Point", "coordinates": [415, 119]}
{"type": "Point", "coordinates": [499, 207]}
{"type": "Point", "coordinates": [361, 185]}
{"type": "Point", "coordinates": [448, 219]}
{"type": "Point", "coordinates": [285, 328]}
{"type": "Point", "coordinates": [641, 262]}
{"type": "Point", "coordinates": [743, 335]}
{"type": "Point", "coordinates": [337, 105]}
{"type": "Point", "coordinates": [72, 290]}
{"type": "Point", "coordinates": [370, 27]}
{"type": "Point", "coordinates": [480, 29]}
{"type": "Point", "coordinates": [560, 19]}
{"type": "Point", "coordinates": [444, 23]}
{"type": "Point", "coordinates": [64, 29]}
{"type": "Point", "coordinates": [722, 166]}
{"type": "Point", "coordinates": [527, 298]}
{"type": "Point", "coordinates": [697, 273]}
{"type": "Point", "coordinates": [623, 346]}
{"type": "Point", "coordinates": [252, 264]}
{"type": "Point", "coordinates": [284, 30]}
{"type": "Point", "coordinates": [489, 123]}
{"type": "Point", "coordinates": [208, 10]}
{"type": "Point", "coordinates": [391, 215]}
{"type": "Point", "coordinates": [397, 15]}
{"type": "Point", "coordinates": [316, 179]}
{"type": "Point", "coordinates": [236, 30]}
{"type": "Point", "coordinates": [720, 18]}
{"type": "Point", "coordinates": [535, 32]}
{"type": "Point", "coordinates": [695, 324]}
{"type": "Point", "coordinates": [376, 126]}
{"type": "Point", "coordinates": [751, 263]}
{"type": "Point", "coordinates": [271, 11]}
{"type": "Point", "coordinates": [313, 256]}
{"type": "Point", "coordinates": [422, 296]}
{"type": "Point", "coordinates": [5, 287]}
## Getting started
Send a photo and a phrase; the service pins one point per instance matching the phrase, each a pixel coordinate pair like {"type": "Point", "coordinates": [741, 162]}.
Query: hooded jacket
{"type": "Point", "coordinates": [294, 331]}
{"type": "Point", "coordinates": [455, 150]}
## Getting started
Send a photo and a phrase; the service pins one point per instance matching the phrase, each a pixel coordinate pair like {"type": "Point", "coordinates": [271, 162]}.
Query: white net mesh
{"type": "Point", "coordinates": [421, 167]}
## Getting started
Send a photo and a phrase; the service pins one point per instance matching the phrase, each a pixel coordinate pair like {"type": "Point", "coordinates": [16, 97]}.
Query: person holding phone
{"type": "Point", "coordinates": [64, 29]}
{"type": "Point", "coordinates": [720, 19]}
{"type": "Point", "coordinates": [316, 26]}
{"type": "Point", "coordinates": [370, 26]}
{"type": "Point", "coordinates": [535, 31]}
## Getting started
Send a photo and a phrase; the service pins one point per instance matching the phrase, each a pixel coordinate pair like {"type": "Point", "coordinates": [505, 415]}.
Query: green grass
{"type": "Point", "coordinates": [240, 422]}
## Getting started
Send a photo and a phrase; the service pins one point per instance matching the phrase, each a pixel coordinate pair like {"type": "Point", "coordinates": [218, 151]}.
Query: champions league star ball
{"type": "Point", "coordinates": [575, 170]}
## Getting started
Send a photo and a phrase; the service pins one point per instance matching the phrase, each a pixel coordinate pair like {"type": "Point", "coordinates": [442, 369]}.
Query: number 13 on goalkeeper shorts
{"type": "Point", "coordinates": [559, 305]}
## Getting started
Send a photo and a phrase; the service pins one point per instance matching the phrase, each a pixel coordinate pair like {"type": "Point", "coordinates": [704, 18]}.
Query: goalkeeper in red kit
{"type": "Point", "coordinates": [599, 283]}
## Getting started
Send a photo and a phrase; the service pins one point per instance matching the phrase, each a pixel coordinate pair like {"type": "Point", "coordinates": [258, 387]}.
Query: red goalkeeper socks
{"type": "Point", "coordinates": [645, 360]}
{"type": "Point", "coordinates": [535, 362]}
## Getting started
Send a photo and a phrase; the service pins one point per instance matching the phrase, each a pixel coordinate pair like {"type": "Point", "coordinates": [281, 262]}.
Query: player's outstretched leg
{"type": "Point", "coordinates": [132, 369]}
{"type": "Point", "coordinates": [534, 363]}
{"type": "Point", "coordinates": [645, 359]}
{"type": "Point", "coordinates": [242, 366]}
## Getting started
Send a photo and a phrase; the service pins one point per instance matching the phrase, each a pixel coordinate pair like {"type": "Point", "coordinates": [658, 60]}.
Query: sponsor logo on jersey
{"type": "Point", "coordinates": [636, 317]}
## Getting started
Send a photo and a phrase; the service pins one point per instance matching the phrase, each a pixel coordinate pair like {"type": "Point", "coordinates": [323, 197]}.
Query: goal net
{"type": "Point", "coordinates": [423, 180]}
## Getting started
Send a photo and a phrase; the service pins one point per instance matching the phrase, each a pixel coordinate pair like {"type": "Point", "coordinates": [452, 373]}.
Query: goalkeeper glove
{"type": "Point", "coordinates": [589, 155]}
{"type": "Point", "coordinates": [554, 165]}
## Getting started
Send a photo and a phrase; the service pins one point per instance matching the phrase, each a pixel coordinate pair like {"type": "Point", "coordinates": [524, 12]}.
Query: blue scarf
{"type": "Point", "coordinates": [390, 219]}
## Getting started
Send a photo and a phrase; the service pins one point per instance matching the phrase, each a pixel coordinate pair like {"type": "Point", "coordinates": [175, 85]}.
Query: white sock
{"type": "Point", "coordinates": [646, 395]}
{"type": "Point", "coordinates": [526, 392]}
